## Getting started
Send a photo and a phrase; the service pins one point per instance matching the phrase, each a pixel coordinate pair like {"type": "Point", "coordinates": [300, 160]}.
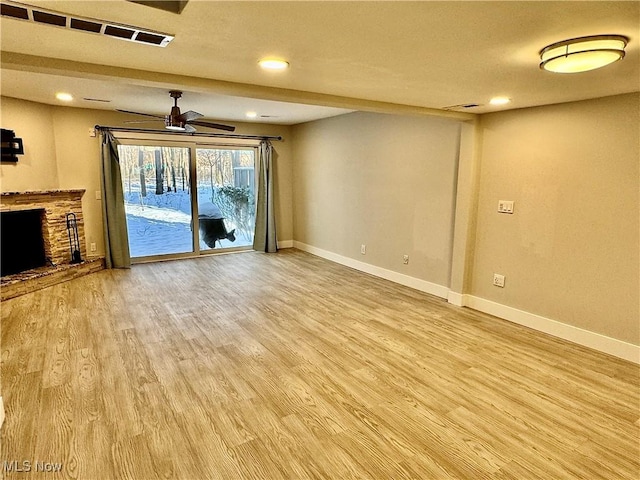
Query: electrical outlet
{"type": "Point", "coordinates": [363, 249]}
{"type": "Point", "coordinates": [93, 246]}
{"type": "Point", "coordinates": [498, 280]}
{"type": "Point", "coordinates": [405, 259]}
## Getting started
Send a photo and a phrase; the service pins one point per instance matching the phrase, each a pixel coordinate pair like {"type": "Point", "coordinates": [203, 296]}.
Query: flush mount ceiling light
{"type": "Point", "coordinates": [273, 64]}
{"type": "Point", "coordinates": [583, 54]}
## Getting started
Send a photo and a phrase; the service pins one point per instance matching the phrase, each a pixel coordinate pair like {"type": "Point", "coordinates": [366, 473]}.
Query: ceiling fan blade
{"type": "Point", "coordinates": [227, 128]}
{"type": "Point", "coordinates": [188, 116]}
{"type": "Point", "coordinates": [141, 121]}
{"type": "Point", "coordinates": [189, 129]}
{"type": "Point", "coordinates": [138, 113]}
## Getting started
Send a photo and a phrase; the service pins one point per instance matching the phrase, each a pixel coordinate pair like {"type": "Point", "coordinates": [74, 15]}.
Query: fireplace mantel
{"type": "Point", "coordinates": [44, 192]}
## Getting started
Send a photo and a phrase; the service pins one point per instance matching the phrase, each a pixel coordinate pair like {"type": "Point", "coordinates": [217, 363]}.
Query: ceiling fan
{"type": "Point", "coordinates": [182, 122]}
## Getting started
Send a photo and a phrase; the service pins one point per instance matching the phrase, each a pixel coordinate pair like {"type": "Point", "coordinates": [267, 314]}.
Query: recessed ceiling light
{"type": "Point", "coordinates": [583, 54]}
{"type": "Point", "coordinates": [273, 64]}
{"type": "Point", "coordinates": [499, 100]}
{"type": "Point", "coordinates": [251, 114]}
{"type": "Point", "coordinates": [64, 97]}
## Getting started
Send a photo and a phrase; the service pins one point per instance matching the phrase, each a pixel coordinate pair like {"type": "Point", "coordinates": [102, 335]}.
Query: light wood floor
{"type": "Point", "coordinates": [289, 366]}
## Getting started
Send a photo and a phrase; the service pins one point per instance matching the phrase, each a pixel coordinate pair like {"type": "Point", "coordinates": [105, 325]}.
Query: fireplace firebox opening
{"type": "Point", "coordinates": [21, 241]}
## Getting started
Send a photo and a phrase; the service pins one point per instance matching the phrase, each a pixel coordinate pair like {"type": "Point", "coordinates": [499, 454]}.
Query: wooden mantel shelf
{"type": "Point", "coordinates": [45, 192]}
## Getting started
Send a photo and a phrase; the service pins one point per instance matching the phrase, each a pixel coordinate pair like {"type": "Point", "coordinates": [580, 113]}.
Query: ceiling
{"type": "Point", "coordinates": [413, 57]}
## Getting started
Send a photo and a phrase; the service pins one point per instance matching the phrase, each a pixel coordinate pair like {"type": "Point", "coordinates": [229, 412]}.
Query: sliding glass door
{"type": "Point", "coordinates": [157, 195]}
{"type": "Point", "coordinates": [226, 196]}
{"type": "Point", "coordinates": [176, 207]}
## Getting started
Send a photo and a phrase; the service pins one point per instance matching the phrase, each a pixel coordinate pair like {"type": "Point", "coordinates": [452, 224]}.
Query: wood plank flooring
{"type": "Point", "coordinates": [287, 366]}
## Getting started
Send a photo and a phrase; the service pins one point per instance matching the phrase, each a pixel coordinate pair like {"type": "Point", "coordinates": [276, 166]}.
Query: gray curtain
{"type": "Point", "coordinates": [116, 242]}
{"type": "Point", "coordinates": [264, 239]}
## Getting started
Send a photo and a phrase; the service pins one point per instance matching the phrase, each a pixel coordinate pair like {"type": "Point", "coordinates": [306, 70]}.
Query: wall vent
{"type": "Point", "coordinates": [462, 106]}
{"type": "Point", "coordinates": [29, 13]}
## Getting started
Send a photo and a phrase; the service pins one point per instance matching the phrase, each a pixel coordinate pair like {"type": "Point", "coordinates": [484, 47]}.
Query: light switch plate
{"type": "Point", "coordinates": [505, 206]}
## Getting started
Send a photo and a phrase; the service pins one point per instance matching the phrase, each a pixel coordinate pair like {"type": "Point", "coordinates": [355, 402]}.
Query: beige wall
{"type": "Point", "coordinates": [570, 252]}
{"type": "Point", "coordinates": [63, 155]}
{"type": "Point", "coordinates": [37, 168]}
{"type": "Point", "coordinates": [386, 181]}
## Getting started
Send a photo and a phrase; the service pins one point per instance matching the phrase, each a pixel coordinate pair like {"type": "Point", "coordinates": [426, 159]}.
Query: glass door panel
{"type": "Point", "coordinates": [226, 197]}
{"type": "Point", "coordinates": [157, 195]}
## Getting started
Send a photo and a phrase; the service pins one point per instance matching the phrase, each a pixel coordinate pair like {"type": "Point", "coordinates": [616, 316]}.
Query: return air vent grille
{"type": "Point", "coordinates": [462, 106]}
{"type": "Point", "coordinates": [29, 13]}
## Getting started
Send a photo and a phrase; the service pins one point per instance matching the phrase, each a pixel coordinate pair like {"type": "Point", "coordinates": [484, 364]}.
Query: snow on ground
{"type": "Point", "coordinates": [158, 214]}
{"type": "Point", "coordinates": [163, 230]}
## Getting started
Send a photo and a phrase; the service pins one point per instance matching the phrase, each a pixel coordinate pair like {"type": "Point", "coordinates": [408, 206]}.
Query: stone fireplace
{"type": "Point", "coordinates": [20, 212]}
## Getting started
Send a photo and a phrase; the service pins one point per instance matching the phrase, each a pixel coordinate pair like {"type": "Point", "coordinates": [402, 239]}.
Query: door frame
{"type": "Point", "coordinates": [160, 140]}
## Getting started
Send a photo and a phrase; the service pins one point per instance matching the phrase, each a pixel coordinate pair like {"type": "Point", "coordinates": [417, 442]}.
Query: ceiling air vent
{"type": "Point", "coordinates": [86, 25]}
{"type": "Point", "coordinates": [14, 11]}
{"type": "Point", "coordinates": [462, 106]}
{"type": "Point", "coordinates": [49, 17]}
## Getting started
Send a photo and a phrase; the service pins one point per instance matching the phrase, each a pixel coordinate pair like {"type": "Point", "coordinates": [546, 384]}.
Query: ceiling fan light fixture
{"type": "Point", "coordinates": [583, 54]}
{"type": "Point", "coordinates": [182, 122]}
{"type": "Point", "coordinates": [174, 125]}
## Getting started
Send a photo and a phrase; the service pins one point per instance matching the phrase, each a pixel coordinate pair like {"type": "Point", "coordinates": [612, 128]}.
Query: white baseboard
{"type": "Point", "coordinates": [586, 338]}
{"type": "Point", "coordinates": [456, 299]}
{"type": "Point", "coordinates": [406, 280]}
{"type": "Point", "coordinates": [1, 412]}
{"type": "Point", "coordinates": [285, 244]}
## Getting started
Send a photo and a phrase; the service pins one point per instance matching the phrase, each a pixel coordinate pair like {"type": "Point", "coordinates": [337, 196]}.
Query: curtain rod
{"type": "Point", "coordinates": [191, 134]}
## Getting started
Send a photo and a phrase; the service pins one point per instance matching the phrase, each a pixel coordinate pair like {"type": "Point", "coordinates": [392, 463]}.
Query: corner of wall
{"type": "Point", "coordinates": [466, 204]}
